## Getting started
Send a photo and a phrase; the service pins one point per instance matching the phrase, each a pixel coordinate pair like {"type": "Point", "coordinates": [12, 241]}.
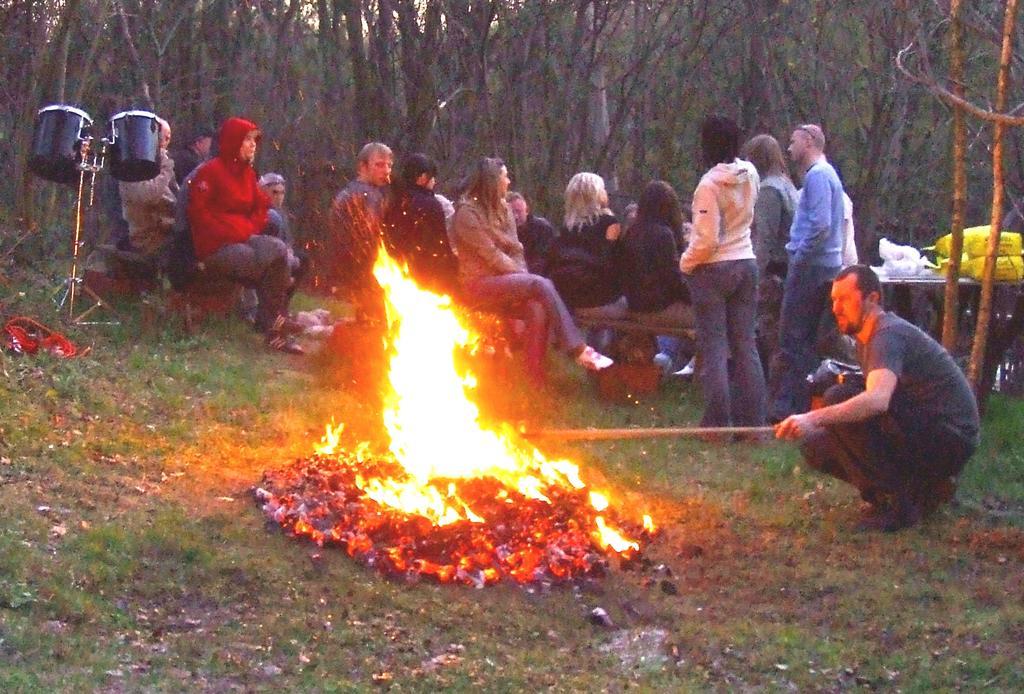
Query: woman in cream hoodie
{"type": "Point", "coordinates": [722, 276]}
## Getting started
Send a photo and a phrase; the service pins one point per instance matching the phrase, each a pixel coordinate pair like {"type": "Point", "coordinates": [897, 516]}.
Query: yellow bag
{"type": "Point", "coordinates": [976, 242]}
{"type": "Point", "coordinates": [1009, 268]}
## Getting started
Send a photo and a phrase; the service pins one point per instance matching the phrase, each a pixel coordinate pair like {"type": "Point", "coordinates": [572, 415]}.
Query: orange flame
{"type": "Point", "coordinates": [436, 433]}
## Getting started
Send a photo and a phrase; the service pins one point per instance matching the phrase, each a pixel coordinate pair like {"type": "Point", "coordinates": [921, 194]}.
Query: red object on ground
{"type": "Point", "coordinates": [24, 335]}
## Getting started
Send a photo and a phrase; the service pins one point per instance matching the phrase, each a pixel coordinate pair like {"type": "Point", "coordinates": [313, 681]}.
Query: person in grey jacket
{"type": "Point", "coordinates": [777, 199]}
{"type": "Point", "coordinates": [493, 273]}
{"type": "Point", "coordinates": [355, 228]}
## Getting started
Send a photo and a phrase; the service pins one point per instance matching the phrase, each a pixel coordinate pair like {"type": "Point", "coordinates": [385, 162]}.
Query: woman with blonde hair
{"type": "Point", "coordinates": [584, 259]}
{"type": "Point", "coordinates": [493, 274]}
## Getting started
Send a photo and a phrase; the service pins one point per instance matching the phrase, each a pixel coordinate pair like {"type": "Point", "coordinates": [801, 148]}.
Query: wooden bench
{"type": "Point", "coordinates": [634, 377]}
{"type": "Point", "coordinates": [633, 326]}
{"type": "Point", "coordinates": [203, 298]}
{"type": "Point", "coordinates": [640, 346]}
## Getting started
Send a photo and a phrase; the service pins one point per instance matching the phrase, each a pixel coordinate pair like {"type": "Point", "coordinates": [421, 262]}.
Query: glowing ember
{"type": "Point", "coordinates": [453, 498]}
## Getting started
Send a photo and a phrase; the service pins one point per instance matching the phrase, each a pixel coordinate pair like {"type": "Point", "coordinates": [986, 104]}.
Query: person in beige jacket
{"type": "Point", "coordinates": [148, 206]}
{"type": "Point", "coordinates": [493, 274]}
{"type": "Point", "coordinates": [721, 273]}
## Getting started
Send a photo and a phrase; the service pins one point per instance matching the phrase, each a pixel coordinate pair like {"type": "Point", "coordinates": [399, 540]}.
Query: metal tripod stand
{"type": "Point", "coordinates": [69, 289]}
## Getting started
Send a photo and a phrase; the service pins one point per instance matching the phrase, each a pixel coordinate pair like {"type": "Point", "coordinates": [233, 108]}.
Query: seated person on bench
{"type": "Point", "coordinates": [226, 213]}
{"type": "Point", "coordinates": [278, 226]}
{"type": "Point", "coordinates": [650, 277]}
{"type": "Point", "coordinates": [148, 206]}
{"type": "Point", "coordinates": [493, 275]}
{"type": "Point", "coordinates": [415, 230]}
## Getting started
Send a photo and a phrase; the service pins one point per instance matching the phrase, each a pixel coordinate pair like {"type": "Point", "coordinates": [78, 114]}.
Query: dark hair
{"type": "Point", "coordinates": [867, 280]}
{"type": "Point", "coordinates": [199, 133]}
{"type": "Point", "coordinates": [415, 166]}
{"type": "Point", "coordinates": [659, 203]}
{"type": "Point", "coordinates": [719, 140]}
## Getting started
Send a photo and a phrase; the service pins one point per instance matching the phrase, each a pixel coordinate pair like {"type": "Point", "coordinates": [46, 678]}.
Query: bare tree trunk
{"type": "Point", "coordinates": [364, 103]}
{"type": "Point", "coordinates": [86, 65]}
{"type": "Point", "coordinates": [140, 69]}
{"type": "Point", "coordinates": [974, 372]}
{"type": "Point", "coordinates": [951, 304]}
{"type": "Point", "coordinates": [44, 75]}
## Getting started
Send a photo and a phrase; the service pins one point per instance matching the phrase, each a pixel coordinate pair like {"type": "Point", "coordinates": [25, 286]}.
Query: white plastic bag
{"type": "Point", "coordinates": [902, 261]}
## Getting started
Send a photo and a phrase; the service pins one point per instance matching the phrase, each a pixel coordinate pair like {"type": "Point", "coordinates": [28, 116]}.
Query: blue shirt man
{"type": "Point", "coordinates": [815, 251]}
{"type": "Point", "coordinates": [816, 236]}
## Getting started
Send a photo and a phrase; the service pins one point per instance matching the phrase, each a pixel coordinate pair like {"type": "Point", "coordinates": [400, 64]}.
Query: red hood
{"type": "Point", "coordinates": [232, 132]}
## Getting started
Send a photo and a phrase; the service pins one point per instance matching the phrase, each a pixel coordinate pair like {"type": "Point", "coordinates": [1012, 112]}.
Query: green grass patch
{"type": "Point", "coordinates": [133, 558]}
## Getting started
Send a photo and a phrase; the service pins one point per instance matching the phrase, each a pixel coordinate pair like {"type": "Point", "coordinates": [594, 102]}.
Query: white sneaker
{"type": "Point", "coordinates": [663, 362]}
{"type": "Point", "coordinates": [687, 371]}
{"type": "Point", "coordinates": [592, 360]}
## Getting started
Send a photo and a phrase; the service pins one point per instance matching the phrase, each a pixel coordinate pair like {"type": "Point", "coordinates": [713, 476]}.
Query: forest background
{"type": "Point", "coordinates": [618, 87]}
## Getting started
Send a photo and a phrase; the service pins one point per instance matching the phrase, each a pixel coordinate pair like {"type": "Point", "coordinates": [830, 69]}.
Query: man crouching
{"type": "Point", "coordinates": [904, 438]}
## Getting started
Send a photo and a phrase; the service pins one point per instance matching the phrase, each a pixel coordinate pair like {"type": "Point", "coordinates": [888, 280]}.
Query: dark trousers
{"type": "Point", "coordinates": [724, 298]}
{"type": "Point", "coordinates": [894, 454]}
{"type": "Point", "coordinates": [805, 300]}
{"type": "Point", "coordinates": [261, 263]}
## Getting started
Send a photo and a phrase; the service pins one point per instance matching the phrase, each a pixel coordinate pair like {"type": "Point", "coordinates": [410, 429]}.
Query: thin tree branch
{"type": "Point", "coordinates": [952, 99]}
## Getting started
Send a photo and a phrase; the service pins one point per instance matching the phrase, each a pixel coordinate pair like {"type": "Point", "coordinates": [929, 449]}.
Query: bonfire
{"type": "Point", "coordinates": [451, 498]}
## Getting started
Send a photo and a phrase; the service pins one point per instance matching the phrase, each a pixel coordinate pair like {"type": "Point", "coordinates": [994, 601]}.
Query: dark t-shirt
{"type": "Point", "coordinates": [930, 386]}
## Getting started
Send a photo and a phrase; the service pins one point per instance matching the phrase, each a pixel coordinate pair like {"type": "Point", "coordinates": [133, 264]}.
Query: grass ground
{"type": "Point", "coordinates": [132, 556]}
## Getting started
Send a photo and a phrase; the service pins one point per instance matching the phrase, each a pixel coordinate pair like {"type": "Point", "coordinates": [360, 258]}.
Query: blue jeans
{"type": "Point", "coordinates": [535, 300]}
{"type": "Point", "coordinates": [724, 296]}
{"type": "Point", "coordinates": [805, 299]}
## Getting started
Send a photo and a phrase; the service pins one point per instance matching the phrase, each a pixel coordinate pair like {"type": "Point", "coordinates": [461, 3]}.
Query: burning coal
{"type": "Point", "coordinates": [451, 498]}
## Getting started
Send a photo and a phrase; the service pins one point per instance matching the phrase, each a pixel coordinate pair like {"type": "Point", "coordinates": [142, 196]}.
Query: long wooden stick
{"type": "Point", "coordinates": [648, 433]}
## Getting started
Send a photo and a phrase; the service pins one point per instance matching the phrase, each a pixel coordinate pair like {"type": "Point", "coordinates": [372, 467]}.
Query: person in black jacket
{"type": "Point", "coordinates": [535, 233]}
{"type": "Point", "coordinates": [584, 256]}
{"type": "Point", "coordinates": [414, 227]}
{"type": "Point", "coordinates": [194, 153]}
{"type": "Point", "coordinates": [649, 266]}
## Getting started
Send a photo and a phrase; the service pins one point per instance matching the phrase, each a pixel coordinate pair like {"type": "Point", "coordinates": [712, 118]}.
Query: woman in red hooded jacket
{"type": "Point", "coordinates": [227, 210]}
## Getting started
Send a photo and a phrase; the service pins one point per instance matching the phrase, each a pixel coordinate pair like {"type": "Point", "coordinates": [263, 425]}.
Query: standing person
{"type": "Point", "coordinates": [355, 228]}
{"type": "Point", "coordinates": [815, 255]}
{"type": "Point", "coordinates": [194, 153]}
{"type": "Point", "coordinates": [148, 206]}
{"type": "Point", "coordinates": [535, 233]}
{"type": "Point", "coordinates": [226, 213]}
{"type": "Point", "coordinates": [722, 276]}
{"type": "Point", "coordinates": [415, 227]}
{"type": "Point", "coordinates": [652, 283]}
{"type": "Point", "coordinates": [583, 261]}
{"type": "Point", "coordinates": [777, 199]}
{"type": "Point", "coordinates": [493, 274]}
{"type": "Point", "coordinates": [904, 437]}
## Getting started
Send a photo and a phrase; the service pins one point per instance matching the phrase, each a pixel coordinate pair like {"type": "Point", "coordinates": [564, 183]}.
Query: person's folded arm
{"type": "Point", "coordinates": [707, 220]}
{"type": "Point", "coordinates": [817, 201]}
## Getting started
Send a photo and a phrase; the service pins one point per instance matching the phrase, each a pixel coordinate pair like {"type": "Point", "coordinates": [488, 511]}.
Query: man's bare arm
{"type": "Point", "coordinates": [872, 402]}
